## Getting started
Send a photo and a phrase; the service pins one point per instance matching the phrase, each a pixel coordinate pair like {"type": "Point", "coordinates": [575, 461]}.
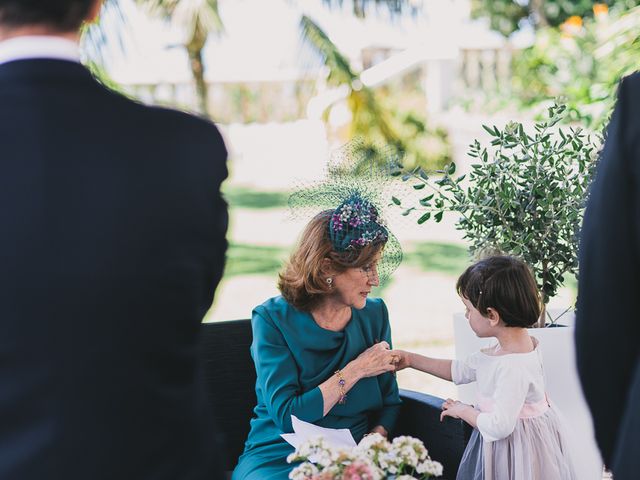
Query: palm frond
{"type": "Point", "coordinates": [361, 8]}
{"type": "Point", "coordinates": [112, 25]}
{"type": "Point", "coordinates": [340, 71]}
{"type": "Point", "coordinates": [187, 15]}
{"type": "Point", "coordinates": [369, 120]}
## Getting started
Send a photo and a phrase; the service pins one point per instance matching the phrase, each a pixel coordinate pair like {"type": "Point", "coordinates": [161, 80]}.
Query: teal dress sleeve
{"type": "Point", "coordinates": [277, 377]}
{"type": "Point", "coordinates": [388, 415]}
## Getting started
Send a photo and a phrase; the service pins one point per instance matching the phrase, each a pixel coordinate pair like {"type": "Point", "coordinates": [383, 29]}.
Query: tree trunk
{"type": "Point", "coordinates": [536, 7]}
{"type": "Point", "coordinates": [542, 321]}
{"type": "Point", "coordinates": [194, 48]}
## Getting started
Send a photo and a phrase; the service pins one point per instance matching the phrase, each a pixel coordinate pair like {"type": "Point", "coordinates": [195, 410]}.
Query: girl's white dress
{"type": "Point", "coordinates": [519, 435]}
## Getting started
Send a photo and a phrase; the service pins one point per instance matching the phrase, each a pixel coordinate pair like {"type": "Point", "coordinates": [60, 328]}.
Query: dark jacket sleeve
{"type": "Point", "coordinates": [221, 215]}
{"type": "Point", "coordinates": [608, 327]}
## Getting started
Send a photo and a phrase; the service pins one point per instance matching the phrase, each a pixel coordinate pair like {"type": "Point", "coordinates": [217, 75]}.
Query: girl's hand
{"type": "Point", "coordinates": [375, 360]}
{"type": "Point", "coordinates": [454, 408]}
{"type": "Point", "coordinates": [401, 359]}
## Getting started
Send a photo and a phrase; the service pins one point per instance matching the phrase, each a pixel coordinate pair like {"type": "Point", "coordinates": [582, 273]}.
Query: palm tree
{"type": "Point", "coordinates": [372, 120]}
{"type": "Point", "coordinates": [199, 19]}
{"type": "Point", "coordinates": [367, 114]}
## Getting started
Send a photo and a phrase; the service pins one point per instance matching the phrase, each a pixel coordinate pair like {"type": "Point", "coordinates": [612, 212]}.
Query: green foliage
{"type": "Point", "coordinates": [199, 20]}
{"type": "Point", "coordinates": [505, 16]}
{"type": "Point", "coordinates": [100, 74]}
{"type": "Point", "coordinates": [447, 258]}
{"type": "Point", "coordinates": [376, 117]}
{"type": "Point", "coordinates": [422, 145]}
{"type": "Point", "coordinates": [583, 69]}
{"type": "Point", "coordinates": [360, 7]}
{"type": "Point", "coordinates": [524, 196]}
{"type": "Point", "coordinates": [581, 65]}
{"type": "Point", "coordinates": [245, 259]}
{"type": "Point", "coordinates": [239, 197]}
{"type": "Point", "coordinates": [340, 71]}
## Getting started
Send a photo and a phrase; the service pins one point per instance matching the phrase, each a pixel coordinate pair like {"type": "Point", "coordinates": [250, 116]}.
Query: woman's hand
{"type": "Point", "coordinates": [375, 360]}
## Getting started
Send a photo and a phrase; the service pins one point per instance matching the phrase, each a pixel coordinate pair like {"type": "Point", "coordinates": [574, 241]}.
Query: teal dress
{"type": "Point", "coordinates": [293, 355]}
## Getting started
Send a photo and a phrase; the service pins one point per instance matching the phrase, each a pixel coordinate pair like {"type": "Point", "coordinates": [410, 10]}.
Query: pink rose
{"type": "Point", "coordinates": [357, 471]}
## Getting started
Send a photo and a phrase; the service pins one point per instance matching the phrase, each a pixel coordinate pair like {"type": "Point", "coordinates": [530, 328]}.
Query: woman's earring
{"type": "Point", "coordinates": [330, 282]}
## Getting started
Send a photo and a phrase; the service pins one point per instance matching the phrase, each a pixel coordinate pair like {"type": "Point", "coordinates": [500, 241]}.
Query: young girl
{"type": "Point", "coordinates": [517, 434]}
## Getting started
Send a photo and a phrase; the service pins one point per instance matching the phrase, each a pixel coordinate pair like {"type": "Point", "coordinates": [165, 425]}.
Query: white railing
{"type": "Point", "coordinates": [448, 73]}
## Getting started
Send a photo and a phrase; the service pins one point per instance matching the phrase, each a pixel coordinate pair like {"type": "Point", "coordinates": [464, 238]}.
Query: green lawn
{"type": "Point", "coordinates": [240, 197]}
{"type": "Point", "coordinates": [447, 258]}
{"type": "Point", "coordinates": [244, 259]}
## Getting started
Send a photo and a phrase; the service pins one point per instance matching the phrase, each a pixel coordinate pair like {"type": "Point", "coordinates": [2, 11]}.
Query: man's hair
{"type": "Point", "coordinates": [505, 284]}
{"type": "Point", "coordinates": [303, 280]}
{"type": "Point", "coordinates": [59, 15]}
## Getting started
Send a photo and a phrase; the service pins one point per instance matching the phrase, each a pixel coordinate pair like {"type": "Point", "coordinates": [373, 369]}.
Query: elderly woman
{"type": "Point", "coordinates": [321, 350]}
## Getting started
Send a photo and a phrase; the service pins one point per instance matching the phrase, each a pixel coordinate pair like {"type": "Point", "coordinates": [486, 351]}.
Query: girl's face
{"type": "Point", "coordinates": [482, 326]}
{"type": "Point", "coordinates": [354, 285]}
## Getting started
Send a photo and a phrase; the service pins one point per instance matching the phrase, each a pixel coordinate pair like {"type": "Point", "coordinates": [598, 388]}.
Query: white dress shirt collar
{"type": "Point", "coordinates": [29, 47]}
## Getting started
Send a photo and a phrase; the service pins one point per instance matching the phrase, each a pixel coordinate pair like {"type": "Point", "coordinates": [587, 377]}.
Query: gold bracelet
{"type": "Point", "coordinates": [343, 395]}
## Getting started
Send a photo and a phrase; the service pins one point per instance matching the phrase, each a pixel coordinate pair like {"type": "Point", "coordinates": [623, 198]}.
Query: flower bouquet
{"type": "Point", "coordinates": [374, 458]}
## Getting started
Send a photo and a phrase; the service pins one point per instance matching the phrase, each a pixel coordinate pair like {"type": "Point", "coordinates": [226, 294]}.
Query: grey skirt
{"type": "Point", "coordinates": [536, 450]}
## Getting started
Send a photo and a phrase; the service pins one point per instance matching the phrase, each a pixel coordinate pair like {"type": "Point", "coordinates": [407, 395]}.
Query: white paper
{"type": "Point", "coordinates": [291, 439]}
{"type": "Point", "coordinates": [304, 431]}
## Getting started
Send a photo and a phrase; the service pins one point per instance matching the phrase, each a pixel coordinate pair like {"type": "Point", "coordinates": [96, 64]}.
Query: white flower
{"type": "Point", "coordinates": [303, 471]}
{"type": "Point", "coordinates": [410, 450]}
{"type": "Point", "coordinates": [374, 454]}
{"type": "Point", "coordinates": [430, 467]}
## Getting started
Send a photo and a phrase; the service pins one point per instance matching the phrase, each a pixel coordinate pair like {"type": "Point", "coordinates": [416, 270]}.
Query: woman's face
{"type": "Point", "coordinates": [352, 286]}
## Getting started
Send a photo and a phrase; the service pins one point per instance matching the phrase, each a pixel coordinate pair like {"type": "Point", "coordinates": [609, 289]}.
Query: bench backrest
{"type": "Point", "coordinates": [231, 380]}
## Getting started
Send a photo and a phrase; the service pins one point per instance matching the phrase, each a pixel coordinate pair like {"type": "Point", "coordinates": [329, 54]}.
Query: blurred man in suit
{"type": "Point", "coordinates": [608, 323]}
{"type": "Point", "coordinates": [113, 242]}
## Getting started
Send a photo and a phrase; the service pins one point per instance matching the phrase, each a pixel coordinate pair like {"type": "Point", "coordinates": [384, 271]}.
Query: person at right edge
{"type": "Point", "coordinates": [608, 324]}
{"type": "Point", "coordinates": [112, 245]}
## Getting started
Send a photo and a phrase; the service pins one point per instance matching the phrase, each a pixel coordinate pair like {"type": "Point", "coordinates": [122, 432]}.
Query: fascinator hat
{"type": "Point", "coordinates": [352, 193]}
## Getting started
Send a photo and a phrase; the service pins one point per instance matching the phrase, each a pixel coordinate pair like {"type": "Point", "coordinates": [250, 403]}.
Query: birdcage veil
{"type": "Point", "coordinates": [355, 188]}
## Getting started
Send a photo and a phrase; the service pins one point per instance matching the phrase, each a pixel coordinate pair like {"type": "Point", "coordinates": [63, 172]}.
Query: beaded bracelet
{"type": "Point", "coordinates": [343, 395]}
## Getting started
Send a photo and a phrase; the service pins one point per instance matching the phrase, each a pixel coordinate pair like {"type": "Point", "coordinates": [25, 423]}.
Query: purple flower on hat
{"type": "Point", "coordinates": [355, 221]}
{"type": "Point", "coordinates": [336, 222]}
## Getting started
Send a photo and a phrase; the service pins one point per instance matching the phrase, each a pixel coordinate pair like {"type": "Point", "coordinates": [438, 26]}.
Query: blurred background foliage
{"type": "Point", "coordinates": [380, 117]}
{"type": "Point", "coordinates": [581, 61]}
{"type": "Point", "coordinates": [577, 57]}
{"type": "Point", "coordinates": [507, 16]}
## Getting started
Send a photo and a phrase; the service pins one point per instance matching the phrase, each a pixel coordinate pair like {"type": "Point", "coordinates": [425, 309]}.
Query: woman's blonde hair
{"type": "Point", "coordinates": [303, 280]}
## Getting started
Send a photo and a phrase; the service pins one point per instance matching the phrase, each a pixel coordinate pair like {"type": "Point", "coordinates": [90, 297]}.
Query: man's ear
{"type": "Point", "coordinates": [493, 316]}
{"type": "Point", "coordinates": [94, 12]}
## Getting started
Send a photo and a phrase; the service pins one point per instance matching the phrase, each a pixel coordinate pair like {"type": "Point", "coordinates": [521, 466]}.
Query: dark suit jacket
{"type": "Point", "coordinates": [608, 318]}
{"type": "Point", "coordinates": [112, 244]}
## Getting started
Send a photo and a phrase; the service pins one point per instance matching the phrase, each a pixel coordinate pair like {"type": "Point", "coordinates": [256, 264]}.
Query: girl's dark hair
{"type": "Point", "coordinates": [303, 282]}
{"type": "Point", "coordinates": [505, 284]}
{"type": "Point", "coordinates": [60, 15]}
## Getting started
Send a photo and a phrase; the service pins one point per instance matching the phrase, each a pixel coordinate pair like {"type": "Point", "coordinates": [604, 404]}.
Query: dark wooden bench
{"type": "Point", "coordinates": [230, 377]}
